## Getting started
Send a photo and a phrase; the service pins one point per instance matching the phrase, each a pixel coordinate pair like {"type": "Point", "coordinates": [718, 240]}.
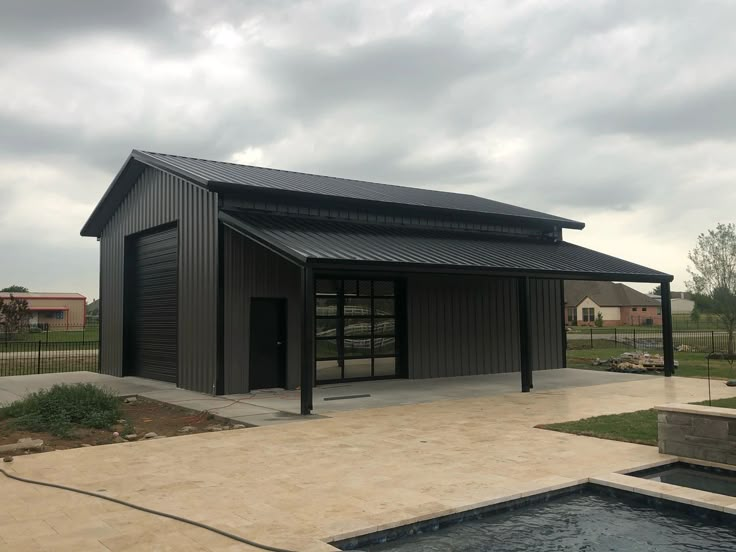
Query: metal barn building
{"type": "Point", "coordinates": [225, 278]}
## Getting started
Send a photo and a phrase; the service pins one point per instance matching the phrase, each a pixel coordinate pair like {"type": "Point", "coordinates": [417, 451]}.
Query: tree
{"type": "Point", "coordinates": [14, 315]}
{"type": "Point", "coordinates": [15, 288]}
{"type": "Point", "coordinates": [599, 320]}
{"type": "Point", "coordinates": [657, 290]}
{"type": "Point", "coordinates": [714, 276]}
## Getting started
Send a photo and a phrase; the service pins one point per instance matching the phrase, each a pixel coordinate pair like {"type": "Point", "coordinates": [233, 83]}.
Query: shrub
{"type": "Point", "coordinates": [599, 320]}
{"type": "Point", "coordinates": [59, 409]}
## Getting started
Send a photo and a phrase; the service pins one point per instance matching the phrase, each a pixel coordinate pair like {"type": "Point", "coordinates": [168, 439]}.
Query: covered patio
{"type": "Point", "coordinates": [521, 277]}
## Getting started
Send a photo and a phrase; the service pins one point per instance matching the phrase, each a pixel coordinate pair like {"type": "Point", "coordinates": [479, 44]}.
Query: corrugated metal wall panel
{"type": "Point", "coordinates": [460, 326]}
{"type": "Point", "coordinates": [252, 271]}
{"type": "Point", "coordinates": [547, 324]}
{"type": "Point", "coordinates": [160, 198]}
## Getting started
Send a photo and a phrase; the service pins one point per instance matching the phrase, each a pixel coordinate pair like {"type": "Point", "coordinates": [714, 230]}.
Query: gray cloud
{"type": "Point", "coordinates": [610, 111]}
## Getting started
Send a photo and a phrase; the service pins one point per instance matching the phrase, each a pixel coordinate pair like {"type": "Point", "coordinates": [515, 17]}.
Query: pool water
{"type": "Point", "coordinates": [696, 477]}
{"type": "Point", "coordinates": [589, 522]}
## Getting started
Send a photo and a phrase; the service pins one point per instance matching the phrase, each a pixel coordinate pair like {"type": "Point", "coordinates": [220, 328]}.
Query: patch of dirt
{"type": "Point", "coordinates": [143, 416]}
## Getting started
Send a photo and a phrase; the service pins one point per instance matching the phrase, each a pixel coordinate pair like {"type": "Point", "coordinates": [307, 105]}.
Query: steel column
{"type": "Point", "coordinates": [669, 354]}
{"type": "Point", "coordinates": [525, 335]}
{"type": "Point", "coordinates": [307, 372]}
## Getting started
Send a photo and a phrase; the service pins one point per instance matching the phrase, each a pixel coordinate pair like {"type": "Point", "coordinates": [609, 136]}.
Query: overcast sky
{"type": "Point", "coordinates": [620, 114]}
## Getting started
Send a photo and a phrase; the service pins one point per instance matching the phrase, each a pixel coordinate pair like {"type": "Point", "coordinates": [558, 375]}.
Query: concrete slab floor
{"type": "Point", "coordinates": [301, 484]}
{"type": "Point", "coordinates": [268, 407]}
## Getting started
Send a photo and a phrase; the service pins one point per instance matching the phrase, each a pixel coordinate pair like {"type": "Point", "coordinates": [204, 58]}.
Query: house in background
{"type": "Point", "coordinates": [224, 278]}
{"type": "Point", "coordinates": [618, 304]}
{"type": "Point", "coordinates": [682, 302]}
{"type": "Point", "coordinates": [54, 310]}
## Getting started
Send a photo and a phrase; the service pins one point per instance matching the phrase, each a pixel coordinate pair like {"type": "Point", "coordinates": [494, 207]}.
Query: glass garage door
{"type": "Point", "coordinates": [355, 329]}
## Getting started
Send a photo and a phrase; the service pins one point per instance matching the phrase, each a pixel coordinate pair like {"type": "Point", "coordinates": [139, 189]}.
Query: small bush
{"type": "Point", "coordinates": [59, 409]}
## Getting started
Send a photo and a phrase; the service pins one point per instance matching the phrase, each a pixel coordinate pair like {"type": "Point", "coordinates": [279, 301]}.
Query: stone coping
{"type": "Point", "coordinates": [617, 480]}
{"type": "Point", "coordinates": [698, 409]}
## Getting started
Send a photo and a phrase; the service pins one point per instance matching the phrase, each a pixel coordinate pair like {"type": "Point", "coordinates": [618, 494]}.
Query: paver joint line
{"type": "Point", "coordinates": [232, 536]}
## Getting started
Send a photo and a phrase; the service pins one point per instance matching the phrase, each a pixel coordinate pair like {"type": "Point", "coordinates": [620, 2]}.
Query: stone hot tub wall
{"type": "Point", "coordinates": [701, 432]}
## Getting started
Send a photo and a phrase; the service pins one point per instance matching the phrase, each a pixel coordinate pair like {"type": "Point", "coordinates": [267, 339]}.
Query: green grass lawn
{"type": "Point", "coordinates": [632, 427]}
{"type": "Point", "coordinates": [692, 365]}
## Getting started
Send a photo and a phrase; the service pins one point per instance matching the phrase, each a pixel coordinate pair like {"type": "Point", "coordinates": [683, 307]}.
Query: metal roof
{"type": "Point", "coordinates": [313, 240]}
{"type": "Point", "coordinates": [222, 176]}
{"type": "Point", "coordinates": [606, 294]}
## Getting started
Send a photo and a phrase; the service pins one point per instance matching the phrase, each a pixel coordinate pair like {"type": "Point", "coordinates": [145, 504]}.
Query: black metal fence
{"type": "Point", "coordinates": [48, 350]}
{"type": "Point", "coordinates": [686, 341]}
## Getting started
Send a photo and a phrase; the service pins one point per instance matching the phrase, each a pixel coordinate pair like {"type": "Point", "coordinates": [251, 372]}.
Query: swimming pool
{"type": "Point", "coordinates": [590, 518]}
{"type": "Point", "coordinates": [704, 478]}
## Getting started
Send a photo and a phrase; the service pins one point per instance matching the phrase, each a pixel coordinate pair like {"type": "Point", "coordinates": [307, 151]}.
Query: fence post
{"type": "Point", "coordinates": [634, 338]}
{"type": "Point", "coordinates": [712, 341]}
{"type": "Point", "coordinates": [615, 338]}
{"type": "Point", "coordinates": [591, 338]}
{"type": "Point", "coordinates": [47, 334]}
{"type": "Point", "coordinates": [38, 358]}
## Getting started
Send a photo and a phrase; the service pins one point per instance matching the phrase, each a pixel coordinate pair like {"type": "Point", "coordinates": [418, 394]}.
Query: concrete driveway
{"type": "Point", "coordinates": [301, 484]}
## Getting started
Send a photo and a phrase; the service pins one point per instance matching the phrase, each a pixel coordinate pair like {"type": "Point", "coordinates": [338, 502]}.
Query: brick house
{"type": "Point", "coordinates": [618, 304]}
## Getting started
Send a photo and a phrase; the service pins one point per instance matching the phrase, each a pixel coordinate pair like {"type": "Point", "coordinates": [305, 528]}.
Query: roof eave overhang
{"type": "Point", "coordinates": [362, 266]}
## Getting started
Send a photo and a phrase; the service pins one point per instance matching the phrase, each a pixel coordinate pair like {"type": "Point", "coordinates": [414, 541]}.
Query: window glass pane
{"type": "Point", "coordinates": [350, 287]}
{"type": "Point", "coordinates": [326, 348]}
{"type": "Point", "coordinates": [357, 347]}
{"type": "Point", "coordinates": [384, 307]}
{"type": "Point", "coordinates": [384, 346]}
{"type": "Point", "coordinates": [328, 370]}
{"type": "Point", "coordinates": [326, 306]}
{"type": "Point", "coordinates": [325, 327]}
{"type": "Point", "coordinates": [364, 288]}
{"type": "Point", "coordinates": [358, 326]}
{"type": "Point", "coordinates": [327, 287]}
{"type": "Point", "coordinates": [358, 368]}
{"type": "Point", "coordinates": [384, 326]}
{"type": "Point", "coordinates": [384, 366]}
{"type": "Point", "coordinates": [383, 289]}
{"type": "Point", "coordinates": [355, 306]}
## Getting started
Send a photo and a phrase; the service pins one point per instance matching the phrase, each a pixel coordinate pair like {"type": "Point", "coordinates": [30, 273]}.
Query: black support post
{"type": "Point", "coordinates": [307, 368]}
{"type": "Point", "coordinates": [669, 353]}
{"type": "Point", "coordinates": [525, 335]}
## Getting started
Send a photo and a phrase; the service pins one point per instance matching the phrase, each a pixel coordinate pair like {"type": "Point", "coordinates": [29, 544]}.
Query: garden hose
{"type": "Point", "coordinates": [148, 511]}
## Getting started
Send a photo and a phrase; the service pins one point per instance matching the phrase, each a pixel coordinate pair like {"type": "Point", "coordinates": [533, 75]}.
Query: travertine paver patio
{"type": "Point", "coordinates": [299, 484]}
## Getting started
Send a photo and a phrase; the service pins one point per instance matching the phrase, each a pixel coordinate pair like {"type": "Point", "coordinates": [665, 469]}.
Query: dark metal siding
{"type": "Point", "coordinates": [547, 324]}
{"type": "Point", "coordinates": [462, 326]}
{"type": "Point", "coordinates": [159, 198]}
{"type": "Point", "coordinates": [252, 271]}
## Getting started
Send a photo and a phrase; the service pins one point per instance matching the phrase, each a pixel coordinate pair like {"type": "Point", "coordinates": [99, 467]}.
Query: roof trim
{"type": "Point", "coordinates": [341, 265]}
{"type": "Point", "coordinates": [137, 161]}
{"type": "Point", "coordinates": [269, 243]}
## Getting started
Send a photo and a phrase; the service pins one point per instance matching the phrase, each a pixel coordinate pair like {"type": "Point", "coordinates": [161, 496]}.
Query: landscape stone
{"type": "Point", "coordinates": [7, 458]}
{"type": "Point", "coordinates": [131, 400]}
{"type": "Point", "coordinates": [131, 437]}
{"type": "Point", "coordinates": [187, 429]}
{"type": "Point", "coordinates": [150, 435]}
{"type": "Point", "coordinates": [238, 426]}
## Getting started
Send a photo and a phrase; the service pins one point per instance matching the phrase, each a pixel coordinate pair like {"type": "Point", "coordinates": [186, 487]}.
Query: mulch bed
{"type": "Point", "coordinates": [144, 415]}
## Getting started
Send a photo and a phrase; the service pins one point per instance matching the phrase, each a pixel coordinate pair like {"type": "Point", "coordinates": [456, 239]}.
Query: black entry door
{"type": "Point", "coordinates": [267, 343]}
{"type": "Point", "coordinates": [151, 305]}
